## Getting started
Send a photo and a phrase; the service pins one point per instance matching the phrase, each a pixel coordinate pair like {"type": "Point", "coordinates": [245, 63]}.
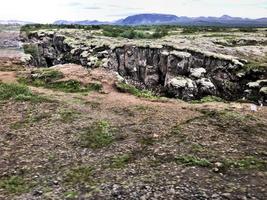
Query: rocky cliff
{"type": "Point", "coordinates": [183, 73]}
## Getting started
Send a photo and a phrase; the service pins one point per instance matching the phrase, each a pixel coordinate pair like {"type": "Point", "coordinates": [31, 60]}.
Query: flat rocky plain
{"type": "Point", "coordinates": [88, 140]}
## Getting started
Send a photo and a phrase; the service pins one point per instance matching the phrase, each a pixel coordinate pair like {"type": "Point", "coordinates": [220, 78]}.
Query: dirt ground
{"type": "Point", "coordinates": [161, 149]}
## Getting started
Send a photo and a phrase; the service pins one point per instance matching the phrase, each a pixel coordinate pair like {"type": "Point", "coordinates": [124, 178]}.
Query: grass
{"type": "Point", "coordinates": [67, 115]}
{"type": "Point", "coordinates": [147, 140]}
{"type": "Point", "coordinates": [246, 163]}
{"type": "Point", "coordinates": [208, 99]}
{"type": "Point", "coordinates": [79, 175]}
{"type": "Point", "coordinates": [31, 49]}
{"type": "Point", "coordinates": [99, 135]}
{"type": "Point", "coordinates": [18, 92]}
{"type": "Point", "coordinates": [50, 78]}
{"type": "Point", "coordinates": [29, 120]}
{"type": "Point", "coordinates": [123, 87]}
{"type": "Point", "coordinates": [190, 160]}
{"type": "Point", "coordinates": [120, 161]}
{"type": "Point", "coordinates": [71, 195]}
{"type": "Point", "coordinates": [14, 185]}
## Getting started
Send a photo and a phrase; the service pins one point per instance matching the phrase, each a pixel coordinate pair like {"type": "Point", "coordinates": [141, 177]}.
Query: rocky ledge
{"type": "Point", "coordinates": [171, 71]}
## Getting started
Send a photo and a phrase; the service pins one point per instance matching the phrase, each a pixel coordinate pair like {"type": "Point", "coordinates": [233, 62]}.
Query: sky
{"type": "Point", "coordinates": [47, 11]}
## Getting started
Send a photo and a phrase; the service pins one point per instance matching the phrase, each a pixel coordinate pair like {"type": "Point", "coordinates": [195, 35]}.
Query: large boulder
{"type": "Point", "coordinates": [182, 87]}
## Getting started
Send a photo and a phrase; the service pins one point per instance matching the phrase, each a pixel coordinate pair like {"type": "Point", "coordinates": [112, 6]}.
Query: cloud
{"type": "Point", "coordinates": [92, 8]}
{"type": "Point", "coordinates": [50, 10]}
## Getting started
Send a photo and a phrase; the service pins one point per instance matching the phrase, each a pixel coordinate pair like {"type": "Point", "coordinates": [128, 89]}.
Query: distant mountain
{"type": "Point", "coordinates": [14, 22]}
{"type": "Point", "coordinates": [84, 22]}
{"type": "Point", "coordinates": [146, 19]}
{"type": "Point", "coordinates": [156, 19]}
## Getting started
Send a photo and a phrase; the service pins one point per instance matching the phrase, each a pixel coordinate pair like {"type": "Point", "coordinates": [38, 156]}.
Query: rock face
{"type": "Point", "coordinates": [182, 73]}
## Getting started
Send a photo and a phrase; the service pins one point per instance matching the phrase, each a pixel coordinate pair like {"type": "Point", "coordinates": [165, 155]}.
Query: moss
{"type": "Point", "coordinates": [31, 49]}
{"type": "Point", "coordinates": [123, 87]}
{"type": "Point", "coordinates": [99, 135]}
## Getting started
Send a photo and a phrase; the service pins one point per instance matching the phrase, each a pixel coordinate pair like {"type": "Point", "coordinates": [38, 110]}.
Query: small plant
{"type": "Point", "coordinates": [120, 161]}
{"type": "Point", "coordinates": [176, 130]}
{"type": "Point", "coordinates": [190, 160]}
{"type": "Point", "coordinates": [79, 175]}
{"type": "Point", "coordinates": [123, 87]}
{"type": "Point", "coordinates": [71, 195]}
{"type": "Point", "coordinates": [14, 184]}
{"type": "Point", "coordinates": [99, 135]}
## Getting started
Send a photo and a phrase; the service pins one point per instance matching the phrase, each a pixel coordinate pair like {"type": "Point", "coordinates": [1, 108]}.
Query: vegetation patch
{"type": "Point", "coordinates": [147, 140]}
{"type": "Point", "coordinates": [120, 161]}
{"type": "Point", "coordinates": [31, 49]}
{"type": "Point", "coordinates": [68, 115]}
{"type": "Point", "coordinates": [29, 120]}
{"type": "Point", "coordinates": [18, 92]}
{"type": "Point", "coordinates": [71, 195]}
{"type": "Point", "coordinates": [123, 87]}
{"type": "Point", "coordinates": [134, 33]}
{"type": "Point", "coordinates": [99, 135]}
{"type": "Point", "coordinates": [190, 160]}
{"type": "Point", "coordinates": [50, 78]}
{"type": "Point", "coordinates": [246, 163]}
{"type": "Point", "coordinates": [14, 185]}
{"type": "Point", "coordinates": [79, 175]}
{"type": "Point", "coordinates": [208, 99]}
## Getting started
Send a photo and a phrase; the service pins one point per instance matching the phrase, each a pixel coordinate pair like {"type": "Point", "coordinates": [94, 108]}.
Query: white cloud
{"type": "Point", "coordinates": [51, 10]}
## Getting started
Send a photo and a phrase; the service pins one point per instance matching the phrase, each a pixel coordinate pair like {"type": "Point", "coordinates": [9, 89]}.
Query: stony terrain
{"type": "Point", "coordinates": [71, 132]}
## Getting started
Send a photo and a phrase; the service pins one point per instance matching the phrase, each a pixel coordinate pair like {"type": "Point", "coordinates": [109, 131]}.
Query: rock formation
{"type": "Point", "coordinates": [183, 73]}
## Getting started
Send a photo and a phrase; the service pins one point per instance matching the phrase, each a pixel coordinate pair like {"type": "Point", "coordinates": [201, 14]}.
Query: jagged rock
{"type": "Point", "coordinates": [185, 73]}
{"type": "Point", "coordinates": [182, 87]}
{"type": "Point", "coordinates": [253, 84]}
{"type": "Point", "coordinates": [197, 72]}
{"type": "Point", "coordinates": [263, 91]}
{"type": "Point", "coordinates": [206, 87]}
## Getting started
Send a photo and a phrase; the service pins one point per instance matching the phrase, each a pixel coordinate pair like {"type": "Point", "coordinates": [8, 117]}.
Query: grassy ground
{"type": "Point", "coordinates": [111, 145]}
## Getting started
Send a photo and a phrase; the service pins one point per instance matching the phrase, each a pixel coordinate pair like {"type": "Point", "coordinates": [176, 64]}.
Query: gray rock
{"type": "Point", "coordinates": [253, 84]}
{"type": "Point", "coordinates": [197, 72]}
{"type": "Point", "coordinates": [206, 87]}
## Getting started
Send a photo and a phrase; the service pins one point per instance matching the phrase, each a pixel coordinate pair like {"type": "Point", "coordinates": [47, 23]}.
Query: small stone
{"type": "Point", "coordinates": [37, 192]}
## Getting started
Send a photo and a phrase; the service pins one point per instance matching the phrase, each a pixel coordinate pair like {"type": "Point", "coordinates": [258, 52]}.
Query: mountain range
{"type": "Point", "coordinates": [157, 19]}
{"type": "Point", "coordinates": [14, 22]}
{"type": "Point", "coordinates": [161, 19]}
